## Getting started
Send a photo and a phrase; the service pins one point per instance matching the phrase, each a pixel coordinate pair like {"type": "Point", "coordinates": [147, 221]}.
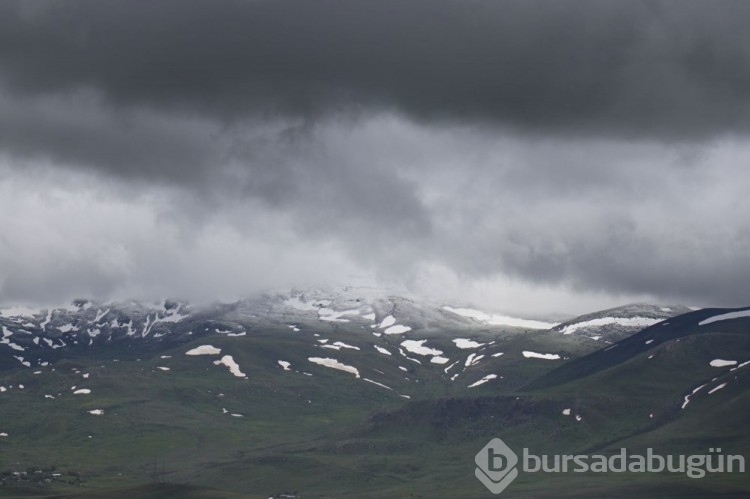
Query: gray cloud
{"type": "Point", "coordinates": [572, 148]}
{"type": "Point", "coordinates": [674, 68]}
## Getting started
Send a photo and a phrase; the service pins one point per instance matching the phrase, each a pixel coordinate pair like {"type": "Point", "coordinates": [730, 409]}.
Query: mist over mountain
{"type": "Point", "coordinates": [341, 248]}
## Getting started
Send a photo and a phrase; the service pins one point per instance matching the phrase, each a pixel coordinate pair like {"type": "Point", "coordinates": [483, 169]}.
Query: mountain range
{"type": "Point", "coordinates": [358, 393]}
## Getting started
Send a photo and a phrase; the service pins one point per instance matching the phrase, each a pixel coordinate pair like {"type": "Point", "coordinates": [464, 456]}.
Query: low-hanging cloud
{"type": "Point", "coordinates": [592, 149]}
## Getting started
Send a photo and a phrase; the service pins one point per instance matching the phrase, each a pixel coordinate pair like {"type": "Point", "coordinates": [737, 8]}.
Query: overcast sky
{"type": "Point", "coordinates": [525, 156]}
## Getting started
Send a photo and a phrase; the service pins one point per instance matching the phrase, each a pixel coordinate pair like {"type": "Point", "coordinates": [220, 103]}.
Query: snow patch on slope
{"type": "Point", "coordinates": [204, 350]}
{"type": "Point", "coordinates": [717, 388]}
{"type": "Point", "coordinates": [397, 329]}
{"type": "Point", "coordinates": [499, 320]}
{"type": "Point", "coordinates": [466, 344]}
{"type": "Point", "coordinates": [722, 363]}
{"type": "Point", "coordinates": [546, 356]}
{"type": "Point", "coordinates": [417, 347]}
{"type": "Point", "coordinates": [234, 368]}
{"type": "Point", "coordinates": [334, 364]}
{"type": "Point", "coordinates": [472, 359]}
{"type": "Point", "coordinates": [686, 399]}
{"type": "Point", "coordinates": [388, 321]}
{"type": "Point", "coordinates": [724, 317]}
{"type": "Point", "coordinates": [379, 384]}
{"type": "Point", "coordinates": [483, 380]}
{"type": "Point", "coordinates": [606, 321]}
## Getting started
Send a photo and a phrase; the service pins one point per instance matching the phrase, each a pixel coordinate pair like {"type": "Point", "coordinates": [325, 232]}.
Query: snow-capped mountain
{"type": "Point", "coordinates": [36, 337]}
{"type": "Point", "coordinates": [383, 338]}
{"type": "Point", "coordinates": [614, 324]}
{"type": "Point", "coordinates": [690, 332]}
{"type": "Point", "coordinates": [376, 365]}
{"type": "Point", "coordinates": [388, 333]}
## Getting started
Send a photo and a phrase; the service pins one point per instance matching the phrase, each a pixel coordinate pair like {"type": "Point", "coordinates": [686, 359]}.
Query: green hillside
{"type": "Point", "coordinates": [167, 424]}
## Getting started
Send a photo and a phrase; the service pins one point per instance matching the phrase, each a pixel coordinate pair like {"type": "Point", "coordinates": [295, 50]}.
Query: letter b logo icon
{"type": "Point", "coordinates": [496, 465]}
{"type": "Point", "coordinates": [495, 462]}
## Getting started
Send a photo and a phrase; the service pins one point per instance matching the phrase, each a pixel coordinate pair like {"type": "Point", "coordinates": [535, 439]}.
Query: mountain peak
{"type": "Point", "coordinates": [616, 323]}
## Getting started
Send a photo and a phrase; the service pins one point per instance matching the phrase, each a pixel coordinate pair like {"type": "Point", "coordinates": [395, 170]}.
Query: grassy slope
{"type": "Point", "coordinates": [331, 435]}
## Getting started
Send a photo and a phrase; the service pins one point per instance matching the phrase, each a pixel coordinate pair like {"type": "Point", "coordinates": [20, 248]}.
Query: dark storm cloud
{"type": "Point", "coordinates": [673, 68]}
{"type": "Point", "coordinates": [282, 164]}
{"type": "Point", "coordinates": [588, 145]}
{"type": "Point", "coordinates": [77, 130]}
